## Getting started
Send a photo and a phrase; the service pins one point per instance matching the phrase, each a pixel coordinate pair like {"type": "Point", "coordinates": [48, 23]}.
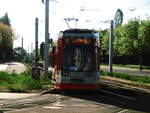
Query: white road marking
{"type": "Point", "coordinates": [58, 100]}
{"type": "Point", "coordinates": [123, 111]}
{"type": "Point", "coordinates": [52, 107]}
{"type": "Point", "coordinates": [79, 105]}
{"type": "Point", "coordinates": [58, 104]}
{"type": "Point", "coordinates": [76, 100]}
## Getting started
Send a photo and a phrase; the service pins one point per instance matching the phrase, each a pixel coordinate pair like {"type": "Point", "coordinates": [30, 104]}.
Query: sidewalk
{"type": "Point", "coordinates": [3, 67]}
{"type": "Point", "coordinates": [4, 95]}
{"type": "Point", "coordinates": [128, 71]}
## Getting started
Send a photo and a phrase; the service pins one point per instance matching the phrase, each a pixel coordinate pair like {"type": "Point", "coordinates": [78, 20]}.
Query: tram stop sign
{"type": "Point", "coordinates": [118, 18]}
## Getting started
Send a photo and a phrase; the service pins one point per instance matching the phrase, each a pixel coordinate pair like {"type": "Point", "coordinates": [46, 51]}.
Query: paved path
{"type": "Point", "coordinates": [13, 67]}
{"type": "Point", "coordinates": [128, 71]}
{"type": "Point", "coordinates": [3, 67]}
{"type": "Point", "coordinates": [71, 103]}
{"type": "Point", "coordinates": [16, 95]}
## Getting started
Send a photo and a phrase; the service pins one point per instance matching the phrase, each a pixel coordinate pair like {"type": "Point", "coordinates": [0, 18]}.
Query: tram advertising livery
{"type": "Point", "coordinates": [75, 60]}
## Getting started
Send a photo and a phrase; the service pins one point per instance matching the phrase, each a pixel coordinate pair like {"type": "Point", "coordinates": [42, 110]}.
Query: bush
{"type": "Point", "coordinates": [22, 82]}
{"type": "Point", "coordinates": [140, 79]}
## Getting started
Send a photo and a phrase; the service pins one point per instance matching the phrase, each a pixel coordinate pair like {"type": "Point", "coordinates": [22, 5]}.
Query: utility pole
{"type": "Point", "coordinates": [22, 58]}
{"type": "Point", "coordinates": [46, 37]}
{"type": "Point", "coordinates": [114, 24]}
{"type": "Point", "coordinates": [111, 47]}
{"type": "Point", "coordinates": [28, 52]}
{"type": "Point", "coordinates": [22, 43]}
{"type": "Point", "coordinates": [141, 54]}
{"type": "Point", "coordinates": [28, 57]}
{"type": "Point", "coordinates": [46, 2]}
{"type": "Point", "coordinates": [35, 70]}
{"type": "Point", "coordinates": [31, 47]}
{"type": "Point", "coordinates": [36, 41]}
{"type": "Point", "coordinates": [31, 51]}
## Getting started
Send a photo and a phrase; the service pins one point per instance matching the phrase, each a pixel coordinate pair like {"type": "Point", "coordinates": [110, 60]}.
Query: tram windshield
{"type": "Point", "coordinates": [79, 58]}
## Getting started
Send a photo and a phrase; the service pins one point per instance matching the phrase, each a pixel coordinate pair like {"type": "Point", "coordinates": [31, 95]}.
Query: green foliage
{"type": "Point", "coordinates": [131, 29]}
{"type": "Point", "coordinates": [118, 18]}
{"type": "Point", "coordinates": [126, 39]}
{"type": "Point", "coordinates": [16, 88]}
{"type": "Point", "coordinates": [5, 19]}
{"type": "Point", "coordinates": [22, 82]}
{"type": "Point", "coordinates": [129, 66]}
{"type": "Point", "coordinates": [19, 53]}
{"type": "Point", "coordinates": [144, 34]}
{"type": "Point", "coordinates": [104, 37]}
{"type": "Point", "coordinates": [6, 40]}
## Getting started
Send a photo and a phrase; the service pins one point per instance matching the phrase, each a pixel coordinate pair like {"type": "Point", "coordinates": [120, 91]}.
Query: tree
{"type": "Point", "coordinates": [131, 42]}
{"type": "Point", "coordinates": [126, 40]}
{"type": "Point", "coordinates": [118, 18]}
{"type": "Point", "coordinates": [5, 19]}
{"type": "Point", "coordinates": [131, 29]}
{"type": "Point", "coordinates": [104, 37]}
{"type": "Point", "coordinates": [6, 41]}
{"type": "Point", "coordinates": [19, 53]}
{"type": "Point", "coordinates": [144, 35]}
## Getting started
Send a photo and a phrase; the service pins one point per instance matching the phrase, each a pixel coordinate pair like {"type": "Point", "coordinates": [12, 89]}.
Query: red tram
{"type": "Point", "coordinates": [75, 60]}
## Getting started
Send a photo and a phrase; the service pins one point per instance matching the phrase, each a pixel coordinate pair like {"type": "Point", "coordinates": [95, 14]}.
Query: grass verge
{"type": "Point", "coordinates": [129, 66]}
{"type": "Point", "coordinates": [12, 82]}
{"type": "Point", "coordinates": [134, 78]}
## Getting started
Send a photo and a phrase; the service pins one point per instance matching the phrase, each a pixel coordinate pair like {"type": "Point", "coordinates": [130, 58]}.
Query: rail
{"type": "Point", "coordinates": [39, 65]}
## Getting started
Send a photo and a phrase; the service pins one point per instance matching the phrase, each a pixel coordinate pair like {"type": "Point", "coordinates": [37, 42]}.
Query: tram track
{"type": "Point", "coordinates": [33, 65]}
{"type": "Point", "coordinates": [126, 97]}
{"type": "Point", "coordinates": [126, 84]}
{"type": "Point", "coordinates": [115, 94]}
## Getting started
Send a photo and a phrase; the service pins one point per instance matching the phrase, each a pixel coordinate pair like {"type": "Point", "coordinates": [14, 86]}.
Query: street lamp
{"type": "Point", "coordinates": [140, 54]}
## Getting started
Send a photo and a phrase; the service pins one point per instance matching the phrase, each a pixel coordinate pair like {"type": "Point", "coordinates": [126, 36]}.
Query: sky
{"type": "Point", "coordinates": [91, 15]}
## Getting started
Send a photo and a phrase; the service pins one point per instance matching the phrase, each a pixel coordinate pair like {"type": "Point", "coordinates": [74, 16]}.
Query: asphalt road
{"type": "Point", "coordinates": [106, 100]}
{"type": "Point", "coordinates": [128, 71]}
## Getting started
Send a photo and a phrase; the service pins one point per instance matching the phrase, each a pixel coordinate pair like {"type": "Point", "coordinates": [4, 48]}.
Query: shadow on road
{"type": "Point", "coordinates": [133, 102]}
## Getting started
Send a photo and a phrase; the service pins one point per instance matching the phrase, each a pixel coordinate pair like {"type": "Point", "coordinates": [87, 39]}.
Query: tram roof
{"type": "Point", "coordinates": [79, 32]}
